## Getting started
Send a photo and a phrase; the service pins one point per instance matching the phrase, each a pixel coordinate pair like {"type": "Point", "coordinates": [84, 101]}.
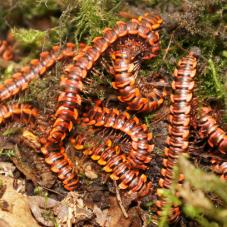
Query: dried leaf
{"type": "Point", "coordinates": [41, 207]}
{"type": "Point", "coordinates": [18, 211]}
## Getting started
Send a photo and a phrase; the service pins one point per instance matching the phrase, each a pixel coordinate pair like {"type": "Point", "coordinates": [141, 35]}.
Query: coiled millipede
{"type": "Point", "coordinates": [125, 81]}
{"type": "Point", "coordinates": [115, 162]}
{"type": "Point", "coordinates": [69, 99]}
{"type": "Point", "coordinates": [142, 145]}
{"type": "Point", "coordinates": [123, 57]}
{"type": "Point", "coordinates": [179, 122]}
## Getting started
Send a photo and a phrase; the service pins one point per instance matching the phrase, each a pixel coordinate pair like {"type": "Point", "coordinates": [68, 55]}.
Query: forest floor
{"type": "Point", "coordinates": [31, 194]}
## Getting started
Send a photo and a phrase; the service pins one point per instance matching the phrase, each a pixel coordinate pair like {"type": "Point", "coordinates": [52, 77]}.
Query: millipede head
{"type": "Point", "coordinates": [195, 52]}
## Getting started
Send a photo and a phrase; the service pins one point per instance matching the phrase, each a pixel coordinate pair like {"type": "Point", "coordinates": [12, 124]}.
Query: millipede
{"type": "Point", "coordinates": [23, 111]}
{"type": "Point", "coordinates": [70, 100]}
{"type": "Point", "coordinates": [124, 147]}
{"type": "Point", "coordinates": [116, 163]}
{"type": "Point", "coordinates": [123, 57]}
{"type": "Point", "coordinates": [179, 122]}
{"type": "Point", "coordinates": [38, 67]}
{"type": "Point", "coordinates": [209, 128]}
{"type": "Point", "coordinates": [125, 81]}
{"type": "Point", "coordinates": [63, 167]}
{"type": "Point", "coordinates": [142, 145]}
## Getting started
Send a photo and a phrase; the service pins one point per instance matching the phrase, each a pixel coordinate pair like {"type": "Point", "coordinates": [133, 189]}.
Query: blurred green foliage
{"type": "Point", "coordinates": [196, 193]}
{"type": "Point", "coordinates": [29, 37]}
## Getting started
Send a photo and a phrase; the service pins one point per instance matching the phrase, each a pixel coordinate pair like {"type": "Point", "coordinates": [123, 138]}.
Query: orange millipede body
{"type": "Point", "coordinates": [125, 84]}
{"type": "Point", "coordinates": [37, 67]}
{"type": "Point", "coordinates": [209, 128]}
{"type": "Point", "coordinates": [179, 121]}
{"type": "Point", "coordinates": [17, 110]}
{"type": "Point", "coordinates": [6, 50]}
{"type": "Point", "coordinates": [116, 163]}
{"type": "Point", "coordinates": [69, 99]}
{"type": "Point", "coordinates": [63, 167]}
{"type": "Point", "coordinates": [220, 167]}
{"type": "Point", "coordinates": [142, 145]}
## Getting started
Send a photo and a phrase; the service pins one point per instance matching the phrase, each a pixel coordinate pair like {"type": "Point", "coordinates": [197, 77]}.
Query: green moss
{"type": "Point", "coordinates": [7, 153]}
{"type": "Point", "coordinates": [92, 17]}
{"type": "Point", "coordinates": [30, 8]}
{"type": "Point", "coordinates": [12, 131]}
{"type": "Point", "coordinates": [29, 37]}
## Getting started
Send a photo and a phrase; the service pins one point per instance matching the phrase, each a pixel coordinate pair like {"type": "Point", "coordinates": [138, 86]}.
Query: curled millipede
{"type": "Point", "coordinates": [21, 79]}
{"type": "Point", "coordinates": [125, 84]}
{"type": "Point", "coordinates": [20, 110]}
{"type": "Point", "coordinates": [140, 154]}
{"type": "Point", "coordinates": [209, 128]}
{"type": "Point", "coordinates": [114, 162]}
{"type": "Point", "coordinates": [179, 122]}
{"type": "Point", "coordinates": [124, 70]}
{"type": "Point", "coordinates": [70, 100]}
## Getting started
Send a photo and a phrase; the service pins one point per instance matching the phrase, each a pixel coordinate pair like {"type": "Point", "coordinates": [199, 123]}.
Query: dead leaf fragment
{"type": "Point", "coordinates": [18, 212]}
{"type": "Point", "coordinates": [41, 209]}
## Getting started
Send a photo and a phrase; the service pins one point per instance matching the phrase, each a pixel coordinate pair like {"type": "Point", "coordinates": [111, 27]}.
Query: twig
{"type": "Point", "coordinates": [120, 201]}
{"type": "Point", "coordinates": [51, 190]}
{"type": "Point", "coordinates": [168, 47]}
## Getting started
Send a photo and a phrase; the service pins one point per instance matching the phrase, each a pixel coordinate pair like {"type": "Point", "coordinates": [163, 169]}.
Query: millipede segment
{"type": "Point", "coordinates": [6, 50]}
{"type": "Point", "coordinates": [115, 163]}
{"type": "Point", "coordinates": [142, 146]}
{"type": "Point", "coordinates": [179, 122]}
{"type": "Point", "coordinates": [38, 67]}
{"type": "Point", "coordinates": [21, 111]}
{"type": "Point", "coordinates": [209, 128]}
{"type": "Point", "coordinates": [219, 167]}
{"type": "Point", "coordinates": [125, 83]}
{"type": "Point", "coordinates": [63, 167]}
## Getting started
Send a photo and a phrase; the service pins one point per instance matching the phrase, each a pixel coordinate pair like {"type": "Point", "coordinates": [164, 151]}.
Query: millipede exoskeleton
{"type": "Point", "coordinates": [37, 67]}
{"type": "Point", "coordinates": [142, 146]}
{"type": "Point", "coordinates": [63, 166]}
{"type": "Point", "coordinates": [209, 128]}
{"type": "Point", "coordinates": [125, 84]}
{"type": "Point", "coordinates": [69, 100]}
{"type": "Point", "coordinates": [179, 120]}
{"type": "Point", "coordinates": [72, 83]}
{"type": "Point", "coordinates": [23, 111]}
{"type": "Point", "coordinates": [220, 167]}
{"type": "Point", "coordinates": [116, 163]}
